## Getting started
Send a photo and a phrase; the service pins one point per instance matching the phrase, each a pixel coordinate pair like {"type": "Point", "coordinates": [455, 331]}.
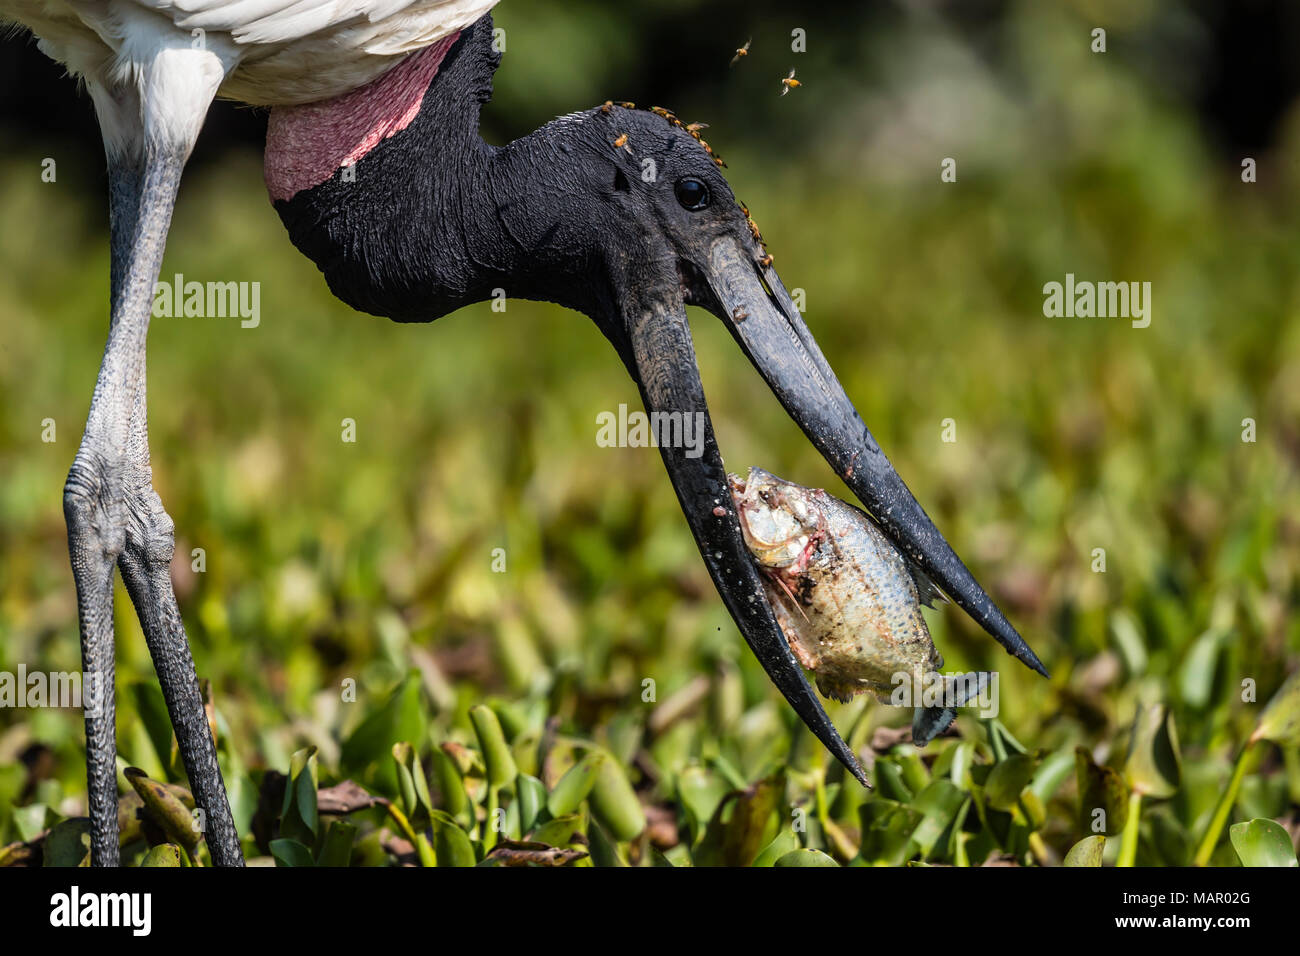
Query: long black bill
{"type": "Point", "coordinates": [661, 356]}
{"type": "Point", "coordinates": [752, 300]}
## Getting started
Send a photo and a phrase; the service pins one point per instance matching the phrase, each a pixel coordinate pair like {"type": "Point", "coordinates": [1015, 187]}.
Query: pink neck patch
{"type": "Point", "coordinates": [306, 144]}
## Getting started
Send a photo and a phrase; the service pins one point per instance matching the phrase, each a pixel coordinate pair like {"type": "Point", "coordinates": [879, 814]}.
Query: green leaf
{"type": "Point", "coordinates": [574, 786]}
{"type": "Point", "coordinates": [1280, 721]}
{"type": "Point", "coordinates": [165, 808]}
{"type": "Point", "coordinates": [68, 843]}
{"type": "Point", "coordinates": [291, 853]}
{"type": "Point", "coordinates": [298, 817]}
{"type": "Point", "coordinates": [451, 844]}
{"type": "Point", "coordinates": [530, 798]}
{"type": "Point", "coordinates": [940, 804]}
{"type": "Point", "coordinates": [736, 841]}
{"type": "Point", "coordinates": [451, 787]}
{"type": "Point", "coordinates": [400, 717]}
{"type": "Point", "coordinates": [165, 854]}
{"type": "Point", "coordinates": [152, 708]}
{"type": "Point", "coordinates": [1100, 788]}
{"type": "Point", "coordinates": [604, 851]}
{"type": "Point", "coordinates": [412, 785]}
{"type": "Point", "coordinates": [336, 848]}
{"type": "Point", "coordinates": [1262, 843]}
{"type": "Point", "coordinates": [785, 841]}
{"type": "Point", "coordinates": [700, 790]}
{"type": "Point", "coordinates": [887, 829]}
{"type": "Point", "coordinates": [1087, 852]}
{"type": "Point", "coordinates": [805, 857]}
{"type": "Point", "coordinates": [1007, 778]}
{"type": "Point", "coordinates": [501, 769]}
{"type": "Point", "coordinates": [614, 803]}
{"type": "Point", "coordinates": [558, 832]}
{"type": "Point", "coordinates": [1154, 767]}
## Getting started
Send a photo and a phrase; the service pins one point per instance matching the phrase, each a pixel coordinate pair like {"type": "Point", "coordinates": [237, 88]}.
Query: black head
{"type": "Point", "coordinates": [624, 215]}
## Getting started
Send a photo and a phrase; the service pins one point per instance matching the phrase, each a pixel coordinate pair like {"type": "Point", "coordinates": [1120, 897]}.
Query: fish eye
{"type": "Point", "coordinates": [692, 193]}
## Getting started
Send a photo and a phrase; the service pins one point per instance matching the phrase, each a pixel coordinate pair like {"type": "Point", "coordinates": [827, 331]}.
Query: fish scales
{"type": "Point", "coordinates": [847, 601]}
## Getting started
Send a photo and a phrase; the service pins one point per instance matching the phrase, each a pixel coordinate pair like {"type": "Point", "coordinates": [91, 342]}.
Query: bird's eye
{"type": "Point", "coordinates": [692, 193]}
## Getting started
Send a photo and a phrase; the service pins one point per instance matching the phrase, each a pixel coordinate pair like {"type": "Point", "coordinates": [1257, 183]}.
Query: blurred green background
{"type": "Point", "coordinates": [327, 560]}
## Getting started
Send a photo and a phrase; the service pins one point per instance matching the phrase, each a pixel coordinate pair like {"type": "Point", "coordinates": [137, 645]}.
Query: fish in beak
{"type": "Point", "coordinates": [688, 241]}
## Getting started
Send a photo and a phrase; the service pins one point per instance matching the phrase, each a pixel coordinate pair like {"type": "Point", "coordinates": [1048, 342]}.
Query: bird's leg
{"type": "Point", "coordinates": [114, 515]}
{"type": "Point", "coordinates": [146, 569]}
{"type": "Point", "coordinates": [94, 508]}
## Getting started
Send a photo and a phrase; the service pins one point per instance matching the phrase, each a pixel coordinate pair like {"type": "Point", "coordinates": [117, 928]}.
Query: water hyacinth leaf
{"type": "Point", "coordinates": [336, 848]}
{"type": "Point", "coordinates": [1170, 838]}
{"type": "Point", "coordinates": [887, 829]}
{"type": "Point", "coordinates": [941, 805]}
{"type": "Point", "coordinates": [29, 821]}
{"type": "Point", "coordinates": [152, 708]}
{"type": "Point", "coordinates": [68, 843]}
{"type": "Point", "coordinates": [298, 816]}
{"type": "Point", "coordinates": [451, 787]}
{"type": "Point", "coordinates": [574, 786]}
{"type": "Point", "coordinates": [614, 803]}
{"type": "Point", "coordinates": [740, 825]}
{"type": "Point", "coordinates": [1128, 639]}
{"type": "Point", "coordinates": [1087, 852]}
{"type": "Point", "coordinates": [400, 717]}
{"type": "Point", "coordinates": [165, 809]}
{"type": "Point", "coordinates": [1052, 772]}
{"type": "Point", "coordinates": [1280, 721]}
{"type": "Point", "coordinates": [700, 790]}
{"type": "Point", "coordinates": [412, 785]}
{"type": "Point", "coordinates": [1262, 843]}
{"type": "Point", "coordinates": [1196, 675]}
{"type": "Point", "coordinates": [1008, 778]}
{"type": "Point", "coordinates": [784, 842]}
{"type": "Point", "coordinates": [1103, 796]}
{"type": "Point", "coordinates": [604, 850]}
{"type": "Point", "coordinates": [498, 760]}
{"type": "Point", "coordinates": [805, 857]}
{"type": "Point", "coordinates": [165, 854]}
{"type": "Point", "coordinates": [558, 832]}
{"type": "Point", "coordinates": [1154, 767]}
{"type": "Point", "coordinates": [451, 844]}
{"type": "Point", "coordinates": [468, 763]}
{"type": "Point", "coordinates": [530, 799]}
{"type": "Point", "coordinates": [890, 781]}
{"type": "Point", "coordinates": [291, 853]}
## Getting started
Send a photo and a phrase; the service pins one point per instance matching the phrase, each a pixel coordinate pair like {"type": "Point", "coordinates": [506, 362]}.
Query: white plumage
{"type": "Point", "coordinates": [271, 52]}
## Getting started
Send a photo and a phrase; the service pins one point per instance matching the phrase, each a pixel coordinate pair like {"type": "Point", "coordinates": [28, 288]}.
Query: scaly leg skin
{"type": "Point", "coordinates": [95, 512]}
{"type": "Point", "coordinates": [150, 116]}
{"type": "Point", "coordinates": [145, 564]}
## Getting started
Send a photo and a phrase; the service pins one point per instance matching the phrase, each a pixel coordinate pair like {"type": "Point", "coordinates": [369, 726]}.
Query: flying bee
{"type": "Point", "coordinates": [696, 127]}
{"type": "Point", "coordinates": [742, 52]}
{"type": "Point", "coordinates": [789, 83]}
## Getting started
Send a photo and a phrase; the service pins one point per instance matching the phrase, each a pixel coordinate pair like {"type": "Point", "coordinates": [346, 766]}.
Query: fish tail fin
{"type": "Point", "coordinates": [930, 722]}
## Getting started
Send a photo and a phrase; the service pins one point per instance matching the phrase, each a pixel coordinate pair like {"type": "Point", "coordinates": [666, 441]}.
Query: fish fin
{"type": "Point", "coordinates": [926, 590]}
{"type": "Point", "coordinates": [930, 722]}
{"type": "Point", "coordinates": [790, 594]}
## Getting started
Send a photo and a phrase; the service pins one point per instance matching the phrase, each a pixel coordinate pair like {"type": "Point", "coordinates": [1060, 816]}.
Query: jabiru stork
{"type": "Point", "coordinates": [376, 167]}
